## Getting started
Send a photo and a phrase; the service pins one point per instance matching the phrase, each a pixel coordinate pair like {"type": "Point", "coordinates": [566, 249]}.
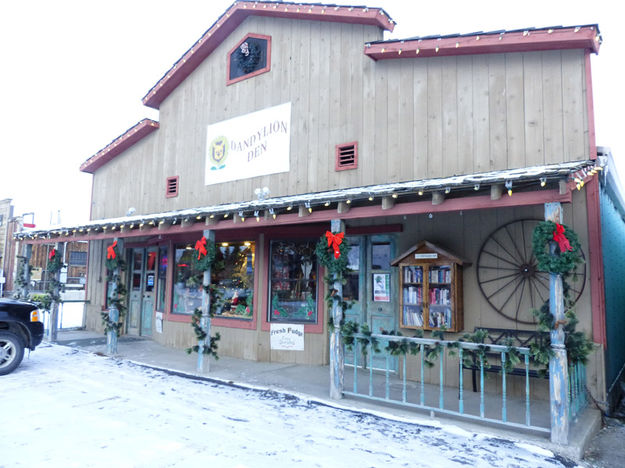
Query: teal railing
{"type": "Point", "coordinates": [385, 385]}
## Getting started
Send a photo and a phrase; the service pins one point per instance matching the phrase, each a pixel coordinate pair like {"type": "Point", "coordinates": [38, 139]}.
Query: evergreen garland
{"type": "Point", "coordinates": [54, 288]}
{"type": "Point", "coordinates": [336, 269]}
{"type": "Point", "coordinates": [205, 254]}
{"type": "Point", "coordinates": [114, 265]}
{"type": "Point", "coordinates": [210, 348]}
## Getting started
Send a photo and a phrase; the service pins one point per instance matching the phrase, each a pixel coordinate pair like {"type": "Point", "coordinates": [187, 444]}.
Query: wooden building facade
{"type": "Point", "coordinates": [459, 141]}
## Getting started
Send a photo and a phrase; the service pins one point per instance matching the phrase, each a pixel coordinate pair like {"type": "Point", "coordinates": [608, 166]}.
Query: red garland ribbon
{"type": "Point", "coordinates": [334, 241]}
{"type": "Point", "coordinates": [200, 246]}
{"type": "Point", "coordinates": [110, 251]}
{"type": "Point", "coordinates": [51, 254]}
{"type": "Point", "coordinates": [560, 238]}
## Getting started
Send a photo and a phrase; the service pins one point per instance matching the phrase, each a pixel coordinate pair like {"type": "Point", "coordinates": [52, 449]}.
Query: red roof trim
{"type": "Point", "coordinates": [578, 37]}
{"type": "Point", "coordinates": [119, 145]}
{"type": "Point", "coordinates": [236, 14]}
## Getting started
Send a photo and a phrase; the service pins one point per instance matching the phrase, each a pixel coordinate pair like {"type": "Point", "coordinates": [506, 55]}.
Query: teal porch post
{"type": "Point", "coordinates": [337, 351]}
{"type": "Point", "coordinates": [558, 366]}
{"type": "Point", "coordinates": [205, 322]}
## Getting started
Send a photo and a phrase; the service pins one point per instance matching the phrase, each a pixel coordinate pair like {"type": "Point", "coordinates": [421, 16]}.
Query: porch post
{"type": "Point", "coordinates": [337, 351]}
{"type": "Point", "coordinates": [205, 322]}
{"type": "Point", "coordinates": [111, 336]}
{"type": "Point", "coordinates": [56, 293]}
{"type": "Point", "coordinates": [27, 252]}
{"type": "Point", "coordinates": [558, 368]}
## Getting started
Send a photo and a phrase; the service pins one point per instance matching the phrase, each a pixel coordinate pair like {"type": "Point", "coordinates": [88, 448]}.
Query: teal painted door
{"type": "Point", "coordinates": [372, 285]}
{"type": "Point", "coordinates": [142, 287]}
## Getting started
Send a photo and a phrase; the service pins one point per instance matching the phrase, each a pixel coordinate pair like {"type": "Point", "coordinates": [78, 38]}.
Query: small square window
{"type": "Point", "coordinates": [347, 156]}
{"type": "Point", "coordinates": [171, 188]}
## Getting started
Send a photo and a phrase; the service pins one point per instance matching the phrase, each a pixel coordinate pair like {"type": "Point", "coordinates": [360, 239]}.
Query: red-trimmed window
{"type": "Point", "coordinates": [293, 281]}
{"type": "Point", "coordinates": [346, 156]}
{"type": "Point", "coordinates": [171, 187]}
{"type": "Point", "coordinates": [250, 57]}
{"type": "Point", "coordinates": [232, 277]}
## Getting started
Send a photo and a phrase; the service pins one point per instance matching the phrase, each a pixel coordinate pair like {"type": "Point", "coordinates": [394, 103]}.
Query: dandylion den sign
{"type": "Point", "coordinates": [250, 145]}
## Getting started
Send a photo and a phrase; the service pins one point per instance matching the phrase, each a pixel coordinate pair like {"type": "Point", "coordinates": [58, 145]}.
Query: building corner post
{"type": "Point", "coordinates": [337, 350]}
{"type": "Point", "coordinates": [205, 321]}
{"type": "Point", "coordinates": [558, 363]}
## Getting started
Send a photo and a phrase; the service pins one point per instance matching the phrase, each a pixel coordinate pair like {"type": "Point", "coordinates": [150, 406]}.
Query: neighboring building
{"type": "Point", "coordinates": [6, 213]}
{"type": "Point", "coordinates": [457, 140]}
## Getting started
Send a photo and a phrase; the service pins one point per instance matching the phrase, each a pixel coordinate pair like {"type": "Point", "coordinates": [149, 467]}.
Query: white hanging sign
{"type": "Point", "coordinates": [250, 145]}
{"type": "Point", "coordinates": [287, 337]}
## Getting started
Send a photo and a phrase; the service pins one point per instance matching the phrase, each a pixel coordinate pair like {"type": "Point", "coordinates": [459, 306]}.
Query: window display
{"type": "Point", "coordinates": [187, 293]}
{"type": "Point", "coordinates": [293, 281]}
{"type": "Point", "coordinates": [232, 280]}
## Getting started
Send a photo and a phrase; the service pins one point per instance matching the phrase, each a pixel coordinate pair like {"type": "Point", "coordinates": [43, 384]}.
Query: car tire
{"type": "Point", "coordinates": [11, 352]}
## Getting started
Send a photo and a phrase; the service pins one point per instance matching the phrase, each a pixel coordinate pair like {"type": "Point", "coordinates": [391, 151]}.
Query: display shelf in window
{"type": "Point", "coordinates": [430, 280]}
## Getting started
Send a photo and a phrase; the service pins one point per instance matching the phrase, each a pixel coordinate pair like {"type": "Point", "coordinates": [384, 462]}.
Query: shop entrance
{"type": "Point", "coordinates": [142, 283]}
{"type": "Point", "coordinates": [372, 286]}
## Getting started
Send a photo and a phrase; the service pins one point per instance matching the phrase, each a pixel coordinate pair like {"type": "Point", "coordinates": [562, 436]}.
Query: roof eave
{"type": "Point", "coordinates": [236, 14]}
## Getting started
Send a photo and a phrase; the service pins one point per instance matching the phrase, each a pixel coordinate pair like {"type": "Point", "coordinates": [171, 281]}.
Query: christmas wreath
{"type": "Point", "coordinates": [247, 56]}
{"type": "Point", "coordinates": [55, 262]}
{"type": "Point", "coordinates": [567, 255]}
{"type": "Point", "coordinates": [332, 250]}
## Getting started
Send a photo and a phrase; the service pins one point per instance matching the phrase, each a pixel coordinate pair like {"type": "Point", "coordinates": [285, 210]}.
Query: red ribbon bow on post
{"type": "Point", "coordinates": [334, 241]}
{"type": "Point", "coordinates": [200, 246]}
{"type": "Point", "coordinates": [110, 251]}
{"type": "Point", "coordinates": [560, 238]}
{"type": "Point", "coordinates": [51, 254]}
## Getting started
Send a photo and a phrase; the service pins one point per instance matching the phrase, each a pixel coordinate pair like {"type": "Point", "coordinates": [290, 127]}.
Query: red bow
{"type": "Point", "coordinates": [51, 254]}
{"type": "Point", "coordinates": [560, 238]}
{"type": "Point", "coordinates": [200, 246]}
{"type": "Point", "coordinates": [110, 251]}
{"type": "Point", "coordinates": [334, 240]}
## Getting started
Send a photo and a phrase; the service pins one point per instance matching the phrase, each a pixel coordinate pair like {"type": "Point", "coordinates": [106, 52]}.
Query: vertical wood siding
{"type": "Point", "coordinates": [412, 118]}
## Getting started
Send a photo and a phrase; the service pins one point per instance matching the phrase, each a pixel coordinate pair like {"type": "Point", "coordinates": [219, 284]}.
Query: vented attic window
{"type": "Point", "coordinates": [347, 156]}
{"type": "Point", "coordinates": [171, 188]}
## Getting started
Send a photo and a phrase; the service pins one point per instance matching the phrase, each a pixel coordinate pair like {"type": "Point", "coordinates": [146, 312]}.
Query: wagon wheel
{"type": "Point", "coordinates": [508, 274]}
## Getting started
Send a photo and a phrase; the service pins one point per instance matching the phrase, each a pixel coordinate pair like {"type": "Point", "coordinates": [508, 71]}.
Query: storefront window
{"type": "Point", "coordinates": [293, 282]}
{"type": "Point", "coordinates": [187, 294]}
{"type": "Point", "coordinates": [232, 280]}
{"type": "Point", "coordinates": [162, 278]}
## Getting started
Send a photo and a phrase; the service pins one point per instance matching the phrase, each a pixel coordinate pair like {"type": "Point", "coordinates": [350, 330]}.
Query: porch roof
{"type": "Point", "coordinates": [469, 191]}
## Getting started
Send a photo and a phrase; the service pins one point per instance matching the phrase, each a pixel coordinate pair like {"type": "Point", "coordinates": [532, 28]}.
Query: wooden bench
{"type": "Point", "coordinates": [503, 337]}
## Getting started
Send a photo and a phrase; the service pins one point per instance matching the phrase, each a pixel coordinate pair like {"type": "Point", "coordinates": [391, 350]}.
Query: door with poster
{"type": "Point", "coordinates": [372, 288]}
{"type": "Point", "coordinates": [142, 288]}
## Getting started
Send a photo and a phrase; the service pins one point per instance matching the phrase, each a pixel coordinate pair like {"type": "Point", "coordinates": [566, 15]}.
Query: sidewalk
{"type": "Point", "coordinates": [307, 383]}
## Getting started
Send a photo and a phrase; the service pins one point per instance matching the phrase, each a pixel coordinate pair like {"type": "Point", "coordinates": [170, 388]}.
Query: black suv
{"type": "Point", "coordinates": [19, 328]}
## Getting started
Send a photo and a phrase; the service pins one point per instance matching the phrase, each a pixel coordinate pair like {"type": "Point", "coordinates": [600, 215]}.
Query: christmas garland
{"type": "Point", "coordinates": [332, 252]}
{"type": "Point", "coordinates": [567, 255]}
{"type": "Point", "coordinates": [205, 254]}
{"type": "Point", "coordinates": [113, 259]}
{"type": "Point", "coordinates": [54, 286]}
{"type": "Point", "coordinates": [204, 260]}
{"type": "Point", "coordinates": [114, 264]}
{"type": "Point", "coordinates": [211, 347]}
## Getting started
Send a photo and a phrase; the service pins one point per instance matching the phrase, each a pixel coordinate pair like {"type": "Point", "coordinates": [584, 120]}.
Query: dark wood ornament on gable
{"type": "Point", "coordinates": [250, 57]}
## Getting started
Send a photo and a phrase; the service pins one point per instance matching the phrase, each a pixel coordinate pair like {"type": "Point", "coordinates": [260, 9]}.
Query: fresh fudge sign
{"type": "Point", "coordinates": [287, 337]}
{"type": "Point", "coordinates": [250, 145]}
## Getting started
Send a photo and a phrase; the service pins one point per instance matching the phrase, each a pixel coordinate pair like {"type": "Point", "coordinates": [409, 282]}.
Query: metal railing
{"type": "Point", "coordinates": [578, 399]}
{"type": "Point", "coordinates": [385, 386]}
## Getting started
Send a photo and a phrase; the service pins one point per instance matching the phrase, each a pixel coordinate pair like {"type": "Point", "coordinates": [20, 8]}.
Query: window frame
{"type": "Point", "coordinates": [265, 69]}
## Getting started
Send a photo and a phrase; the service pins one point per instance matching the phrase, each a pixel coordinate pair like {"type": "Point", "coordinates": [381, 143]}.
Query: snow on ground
{"type": "Point", "coordinates": [68, 408]}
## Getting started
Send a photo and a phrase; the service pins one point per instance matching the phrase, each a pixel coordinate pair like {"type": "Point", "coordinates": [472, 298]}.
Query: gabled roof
{"type": "Point", "coordinates": [426, 245]}
{"type": "Point", "coordinates": [518, 40]}
{"type": "Point", "coordinates": [119, 145]}
{"type": "Point", "coordinates": [237, 13]}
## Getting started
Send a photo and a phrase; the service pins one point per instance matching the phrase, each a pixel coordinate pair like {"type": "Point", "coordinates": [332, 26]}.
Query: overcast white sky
{"type": "Point", "coordinates": [74, 72]}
